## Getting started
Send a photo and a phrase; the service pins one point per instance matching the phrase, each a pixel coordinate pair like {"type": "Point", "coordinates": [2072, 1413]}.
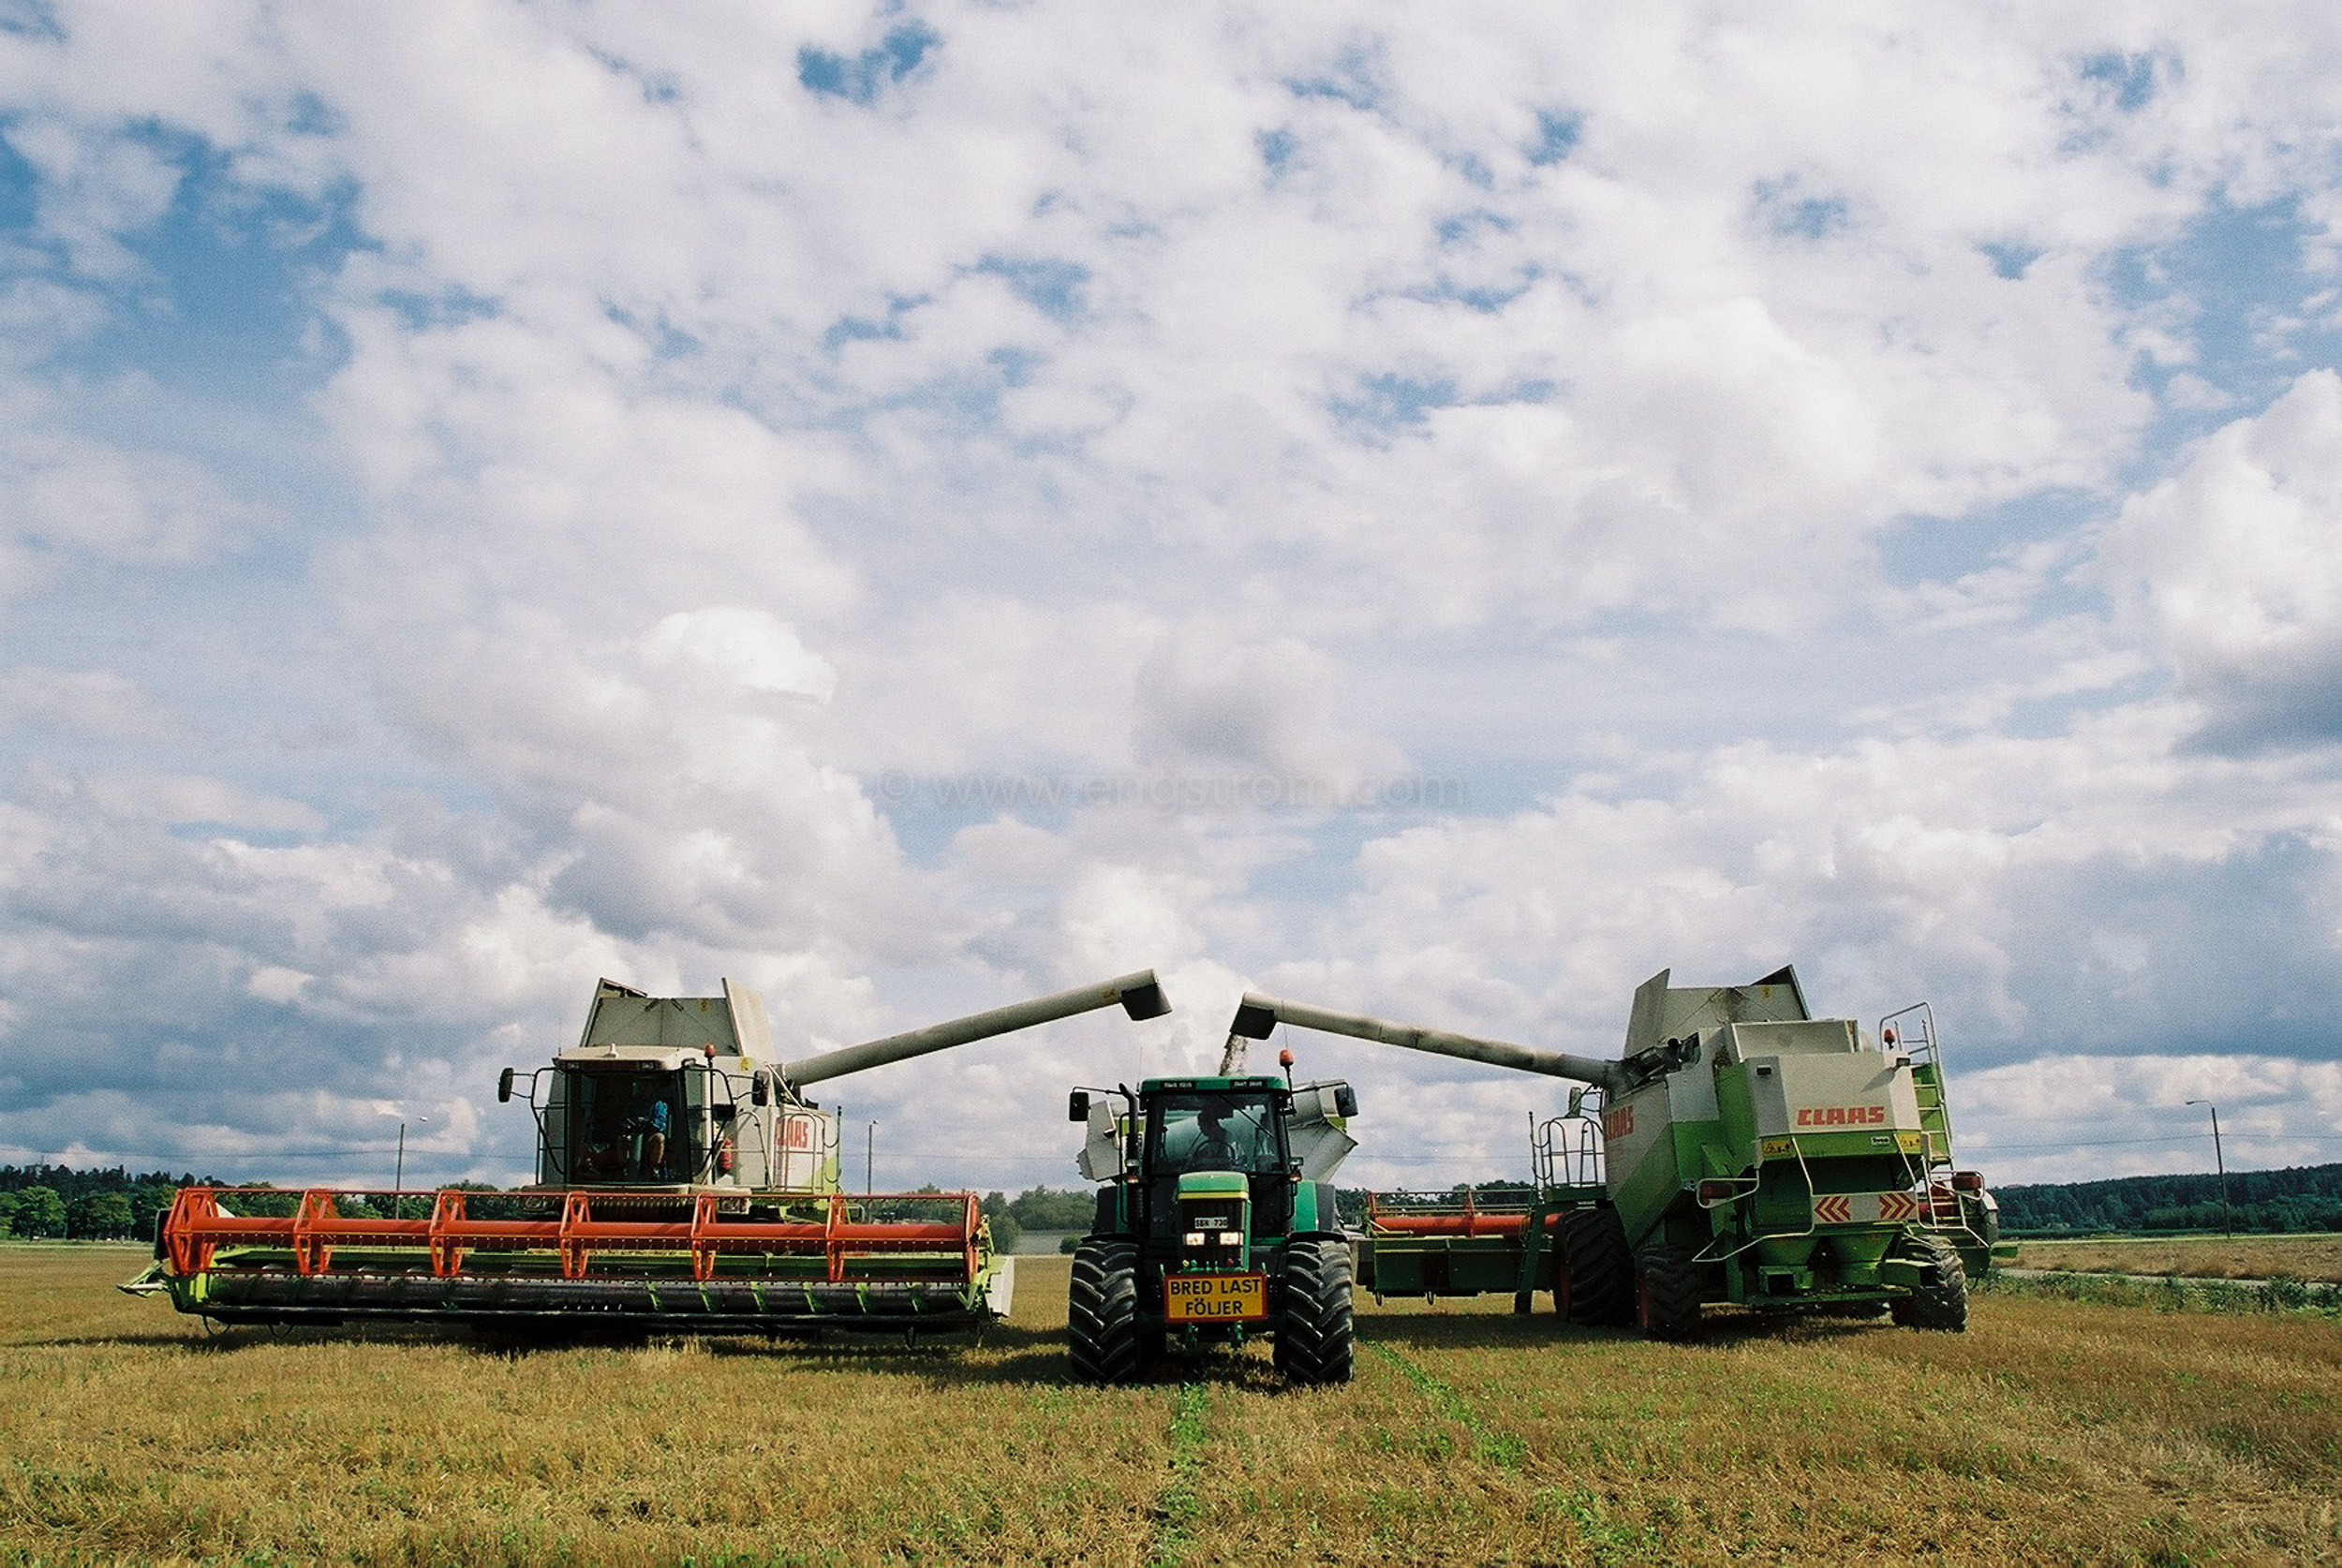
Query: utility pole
{"type": "Point", "coordinates": [2227, 1215]}
{"type": "Point", "coordinates": [398, 1180]}
{"type": "Point", "coordinates": [870, 1149]}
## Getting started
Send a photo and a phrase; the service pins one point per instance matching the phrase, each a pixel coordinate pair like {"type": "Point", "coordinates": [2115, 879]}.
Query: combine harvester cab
{"type": "Point", "coordinates": [1750, 1154]}
{"type": "Point", "coordinates": [1216, 1224]}
{"type": "Point", "coordinates": [686, 1184]}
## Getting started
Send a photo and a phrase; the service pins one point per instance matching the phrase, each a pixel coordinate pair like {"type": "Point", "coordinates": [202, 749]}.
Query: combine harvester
{"type": "Point", "coordinates": [685, 1185]}
{"type": "Point", "coordinates": [1748, 1153]}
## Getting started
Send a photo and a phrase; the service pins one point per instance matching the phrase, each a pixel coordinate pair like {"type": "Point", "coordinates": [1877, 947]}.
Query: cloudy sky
{"type": "Point", "coordinates": [1436, 511]}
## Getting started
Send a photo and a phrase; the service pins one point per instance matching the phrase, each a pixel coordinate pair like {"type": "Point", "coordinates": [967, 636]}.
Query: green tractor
{"type": "Point", "coordinates": [1215, 1224]}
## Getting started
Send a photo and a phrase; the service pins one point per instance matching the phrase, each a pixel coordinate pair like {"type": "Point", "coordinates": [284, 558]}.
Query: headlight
{"type": "Point", "coordinates": [1194, 1239]}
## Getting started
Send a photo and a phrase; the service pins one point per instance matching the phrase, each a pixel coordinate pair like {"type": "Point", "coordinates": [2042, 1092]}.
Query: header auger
{"type": "Point", "coordinates": [686, 1185]}
{"type": "Point", "coordinates": [1748, 1153]}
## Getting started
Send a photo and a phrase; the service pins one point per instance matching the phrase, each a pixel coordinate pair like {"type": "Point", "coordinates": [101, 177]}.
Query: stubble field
{"type": "Point", "coordinates": [2052, 1431]}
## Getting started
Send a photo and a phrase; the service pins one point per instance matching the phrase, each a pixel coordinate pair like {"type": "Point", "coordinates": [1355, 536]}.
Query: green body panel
{"type": "Point", "coordinates": [1449, 1265]}
{"type": "Point", "coordinates": [1305, 1211]}
{"type": "Point", "coordinates": [1399, 1263]}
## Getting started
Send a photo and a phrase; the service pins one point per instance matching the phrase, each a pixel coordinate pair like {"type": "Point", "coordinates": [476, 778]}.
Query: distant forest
{"type": "Point", "coordinates": [57, 1201]}
{"type": "Point", "coordinates": [2304, 1198]}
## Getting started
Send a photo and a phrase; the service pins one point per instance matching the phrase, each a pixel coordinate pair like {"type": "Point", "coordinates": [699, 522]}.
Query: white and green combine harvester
{"type": "Point", "coordinates": [1750, 1153]}
{"type": "Point", "coordinates": [685, 1184]}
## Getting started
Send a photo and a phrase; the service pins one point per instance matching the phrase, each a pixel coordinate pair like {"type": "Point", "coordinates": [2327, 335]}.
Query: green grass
{"type": "Point", "coordinates": [2054, 1431]}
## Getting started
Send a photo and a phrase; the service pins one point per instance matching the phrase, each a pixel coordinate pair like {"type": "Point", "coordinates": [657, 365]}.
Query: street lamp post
{"type": "Point", "coordinates": [2219, 1160]}
{"type": "Point", "coordinates": [869, 1154]}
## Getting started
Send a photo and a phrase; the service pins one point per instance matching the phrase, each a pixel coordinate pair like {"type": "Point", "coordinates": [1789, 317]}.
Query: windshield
{"type": "Point", "coordinates": [1214, 1132]}
{"type": "Point", "coordinates": [627, 1127]}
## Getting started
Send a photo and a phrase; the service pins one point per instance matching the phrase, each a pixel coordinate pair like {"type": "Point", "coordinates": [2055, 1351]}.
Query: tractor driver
{"type": "Point", "coordinates": [1212, 1151]}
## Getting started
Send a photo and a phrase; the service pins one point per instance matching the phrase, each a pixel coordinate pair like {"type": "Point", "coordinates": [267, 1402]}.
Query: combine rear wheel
{"type": "Point", "coordinates": [1598, 1272]}
{"type": "Point", "coordinates": [1314, 1338]}
{"type": "Point", "coordinates": [1667, 1292]}
{"type": "Point", "coordinates": [1102, 1311]}
{"type": "Point", "coordinates": [1940, 1299]}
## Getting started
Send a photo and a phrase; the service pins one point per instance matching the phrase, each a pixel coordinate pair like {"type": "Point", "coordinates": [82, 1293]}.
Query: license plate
{"type": "Point", "coordinates": [1215, 1298]}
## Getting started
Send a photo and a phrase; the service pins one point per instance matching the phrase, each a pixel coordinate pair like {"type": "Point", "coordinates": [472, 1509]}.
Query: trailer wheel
{"type": "Point", "coordinates": [1315, 1337]}
{"type": "Point", "coordinates": [1102, 1311]}
{"type": "Point", "coordinates": [1940, 1300]}
{"type": "Point", "coordinates": [1597, 1271]}
{"type": "Point", "coordinates": [1667, 1292]}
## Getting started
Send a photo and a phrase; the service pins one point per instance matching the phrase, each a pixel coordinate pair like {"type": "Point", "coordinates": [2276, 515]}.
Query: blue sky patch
{"type": "Point", "coordinates": [2011, 258]}
{"type": "Point", "coordinates": [862, 78]}
{"type": "Point", "coordinates": [1350, 81]}
{"type": "Point", "coordinates": [1050, 286]}
{"type": "Point", "coordinates": [1557, 138]}
{"type": "Point", "coordinates": [232, 274]}
{"type": "Point", "coordinates": [1795, 217]}
{"type": "Point", "coordinates": [2129, 77]}
{"type": "Point", "coordinates": [1381, 406]}
{"type": "Point", "coordinates": [1276, 148]}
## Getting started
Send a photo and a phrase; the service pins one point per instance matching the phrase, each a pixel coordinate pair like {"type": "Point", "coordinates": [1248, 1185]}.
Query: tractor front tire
{"type": "Point", "coordinates": [1316, 1336]}
{"type": "Point", "coordinates": [1667, 1292]}
{"type": "Point", "coordinates": [1597, 1271]}
{"type": "Point", "coordinates": [1940, 1299]}
{"type": "Point", "coordinates": [1102, 1311]}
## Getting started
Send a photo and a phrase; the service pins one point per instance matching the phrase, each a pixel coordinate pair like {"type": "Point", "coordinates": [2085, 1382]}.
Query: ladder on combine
{"type": "Point", "coordinates": [1912, 1032]}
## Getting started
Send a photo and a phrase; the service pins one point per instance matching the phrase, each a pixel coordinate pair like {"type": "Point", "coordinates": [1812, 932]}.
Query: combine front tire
{"type": "Point", "coordinates": [1598, 1270]}
{"type": "Point", "coordinates": [1940, 1299]}
{"type": "Point", "coordinates": [1667, 1294]}
{"type": "Point", "coordinates": [1102, 1311]}
{"type": "Point", "coordinates": [1314, 1337]}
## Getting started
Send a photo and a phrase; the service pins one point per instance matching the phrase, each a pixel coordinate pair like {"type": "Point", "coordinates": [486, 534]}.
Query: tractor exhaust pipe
{"type": "Point", "coordinates": [1140, 996]}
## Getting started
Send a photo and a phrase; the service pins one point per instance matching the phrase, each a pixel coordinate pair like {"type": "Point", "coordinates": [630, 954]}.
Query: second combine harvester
{"type": "Point", "coordinates": [685, 1184]}
{"type": "Point", "coordinates": [1750, 1153]}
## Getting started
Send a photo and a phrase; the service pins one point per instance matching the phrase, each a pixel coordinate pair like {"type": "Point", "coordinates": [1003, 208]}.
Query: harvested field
{"type": "Point", "coordinates": [2208, 1257]}
{"type": "Point", "coordinates": [2052, 1431]}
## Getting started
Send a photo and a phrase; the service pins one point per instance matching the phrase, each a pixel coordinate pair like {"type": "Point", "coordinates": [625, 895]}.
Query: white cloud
{"type": "Point", "coordinates": [2236, 564]}
{"type": "Point", "coordinates": [746, 647]}
{"type": "Point", "coordinates": [1308, 392]}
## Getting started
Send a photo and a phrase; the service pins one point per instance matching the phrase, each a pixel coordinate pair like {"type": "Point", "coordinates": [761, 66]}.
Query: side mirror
{"type": "Point", "coordinates": [504, 1088]}
{"type": "Point", "coordinates": [1346, 1100]}
{"type": "Point", "coordinates": [760, 1088]}
{"type": "Point", "coordinates": [1578, 1100]}
{"type": "Point", "coordinates": [1077, 1106]}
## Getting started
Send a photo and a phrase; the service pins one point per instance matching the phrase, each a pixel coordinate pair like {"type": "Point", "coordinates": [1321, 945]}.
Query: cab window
{"type": "Point", "coordinates": [1215, 1132]}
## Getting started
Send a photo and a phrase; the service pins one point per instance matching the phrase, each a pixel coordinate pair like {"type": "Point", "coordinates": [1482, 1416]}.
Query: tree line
{"type": "Point", "coordinates": [2298, 1198]}
{"type": "Point", "coordinates": [38, 1201]}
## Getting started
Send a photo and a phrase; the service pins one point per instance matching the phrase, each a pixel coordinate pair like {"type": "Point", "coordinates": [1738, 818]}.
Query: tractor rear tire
{"type": "Point", "coordinates": [1597, 1271]}
{"type": "Point", "coordinates": [1668, 1293]}
{"type": "Point", "coordinates": [1940, 1299]}
{"type": "Point", "coordinates": [1102, 1311]}
{"type": "Point", "coordinates": [1316, 1340]}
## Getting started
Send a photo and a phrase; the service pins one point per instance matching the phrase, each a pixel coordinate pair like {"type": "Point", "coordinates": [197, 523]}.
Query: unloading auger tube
{"type": "Point", "coordinates": [686, 1186]}
{"type": "Point", "coordinates": [1140, 993]}
{"type": "Point", "coordinates": [1258, 1015]}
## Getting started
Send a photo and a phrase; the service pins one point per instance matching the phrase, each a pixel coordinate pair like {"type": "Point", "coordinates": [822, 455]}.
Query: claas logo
{"type": "Point", "coordinates": [1840, 1116]}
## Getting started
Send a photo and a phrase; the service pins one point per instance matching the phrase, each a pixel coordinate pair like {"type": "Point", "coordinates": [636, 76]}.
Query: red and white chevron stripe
{"type": "Point", "coordinates": [1866, 1208]}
